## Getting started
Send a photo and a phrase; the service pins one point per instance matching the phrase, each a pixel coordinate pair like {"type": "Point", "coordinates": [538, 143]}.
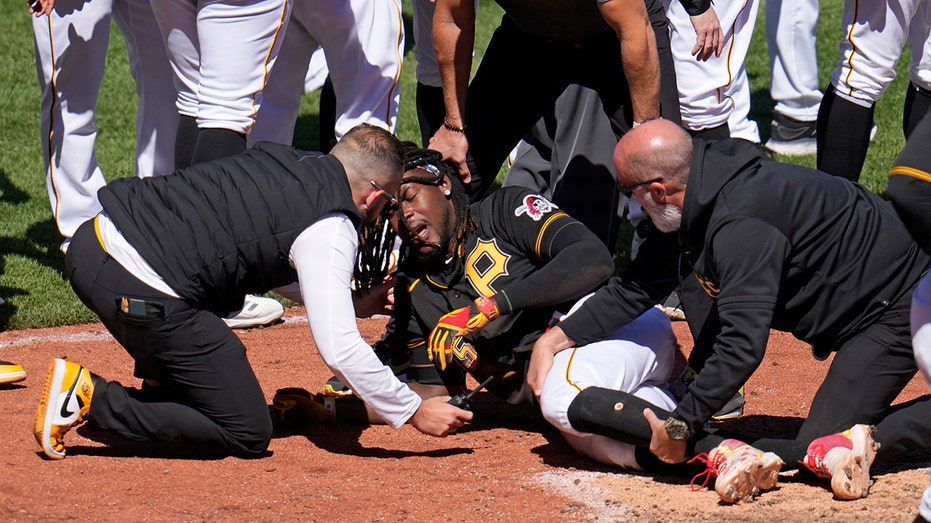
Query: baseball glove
{"type": "Point", "coordinates": [297, 405]}
{"type": "Point", "coordinates": [446, 338]}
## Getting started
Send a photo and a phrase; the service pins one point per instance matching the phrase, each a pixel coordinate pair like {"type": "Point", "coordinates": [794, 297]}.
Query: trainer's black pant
{"type": "Point", "coordinates": [866, 375]}
{"type": "Point", "coordinates": [208, 398]}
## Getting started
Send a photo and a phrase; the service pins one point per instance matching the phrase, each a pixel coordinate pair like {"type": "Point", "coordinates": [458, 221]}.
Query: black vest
{"type": "Point", "coordinates": [218, 230]}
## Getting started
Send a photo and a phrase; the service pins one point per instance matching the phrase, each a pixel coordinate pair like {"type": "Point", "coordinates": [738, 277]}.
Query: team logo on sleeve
{"type": "Point", "coordinates": [534, 206]}
{"type": "Point", "coordinates": [710, 288]}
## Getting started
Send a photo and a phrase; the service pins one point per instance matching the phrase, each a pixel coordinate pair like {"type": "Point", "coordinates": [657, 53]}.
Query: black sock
{"type": "Point", "coordinates": [217, 143]}
{"type": "Point", "coordinates": [917, 103]}
{"type": "Point", "coordinates": [650, 463]}
{"type": "Point", "coordinates": [713, 134]}
{"type": "Point", "coordinates": [843, 135]}
{"type": "Point", "coordinates": [185, 140]}
{"type": "Point", "coordinates": [431, 109]}
{"type": "Point", "coordinates": [327, 116]}
{"type": "Point", "coordinates": [612, 413]}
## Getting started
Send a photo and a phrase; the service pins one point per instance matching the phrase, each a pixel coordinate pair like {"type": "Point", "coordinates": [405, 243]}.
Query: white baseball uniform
{"type": "Point", "coordinates": [71, 49]}
{"type": "Point", "coordinates": [921, 342]}
{"type": "Point", "coordinates": [874, 35]}
{"type": "Point", "coordinates": [363, 41]}
{"type": "Point", "coordinates": [222, 52]}
{"type": "Point", "coordinates": [716, 91]}
{"type": "Point", "coordinates": [428, 70]}
{"type": "Point", "coordinates": [925, 508]}
{"type": "Point", "coordinates": [637, 358]}
{"type": "Point", "coordinates": [317, 71]}
{"type": "Point", "coordinates": [791, 28]}
{"type": "Point", "coordinates": [921, 326]}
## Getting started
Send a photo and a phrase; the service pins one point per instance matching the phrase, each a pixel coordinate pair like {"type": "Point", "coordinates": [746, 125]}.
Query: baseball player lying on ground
{"type": "Point", "coordinates": [504, 268]}
{"type": "Point", "coordinates": [514, 258]}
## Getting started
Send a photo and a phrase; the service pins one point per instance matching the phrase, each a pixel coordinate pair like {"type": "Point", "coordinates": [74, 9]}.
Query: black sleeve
{"type": "Point", "coordinates": [695, 7]}
{"type": "Point", "coordinates": [648, 280]}
{"type": "Point", "coordinates": [749, 272]}
{"type": "Point", "coordinates": [576, 262]}
{"type": "Point", "coordinates": [571, 260]}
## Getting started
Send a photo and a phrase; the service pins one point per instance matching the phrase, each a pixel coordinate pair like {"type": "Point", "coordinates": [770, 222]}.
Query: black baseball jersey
{"type": "Point", "coordinates": [531, 256]}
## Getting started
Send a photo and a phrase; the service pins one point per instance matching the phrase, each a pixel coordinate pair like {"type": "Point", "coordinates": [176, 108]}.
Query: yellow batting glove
{"type": "Point", "coordinates": [446, 337]}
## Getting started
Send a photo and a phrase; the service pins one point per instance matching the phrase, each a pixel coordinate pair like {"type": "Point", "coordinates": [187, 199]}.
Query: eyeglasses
{"type": "Point", "coordinates": [392, 199]}
{"type": "Point", "coordinates": [628, 190]}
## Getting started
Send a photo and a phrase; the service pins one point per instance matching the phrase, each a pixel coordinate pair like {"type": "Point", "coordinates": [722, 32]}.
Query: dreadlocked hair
{"type": "Point", "coordinates": [373, 258]}
{"type": "Point", "coordinates": [431, 170]}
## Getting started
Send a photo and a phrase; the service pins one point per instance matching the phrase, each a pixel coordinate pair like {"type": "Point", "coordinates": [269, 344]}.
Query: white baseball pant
{"type": "Point", "coordinates": [791, 28]}
{"type": "Point", "coordinates": [363, 41]}
{"type": "Point", "coordinates": [221, 52]}
{"type": "Point", "coordinates": [317, 71]}
{"type": "Point", "coordinates": [71, 49]}
{"type": "Point", "coordinates": [716, 91]}
{"type": "Point", "coordinates": [637, 358]}
{"type": "Point", "coordinates": [874, 35]}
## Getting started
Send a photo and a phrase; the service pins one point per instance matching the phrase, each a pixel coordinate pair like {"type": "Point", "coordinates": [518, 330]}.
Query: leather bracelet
{"type": "Point", "coordinates": [452, 128]}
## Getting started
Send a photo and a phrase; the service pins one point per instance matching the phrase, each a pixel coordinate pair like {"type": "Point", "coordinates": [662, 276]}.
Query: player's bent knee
{"type": "Point", "coordinates": [553, 407]}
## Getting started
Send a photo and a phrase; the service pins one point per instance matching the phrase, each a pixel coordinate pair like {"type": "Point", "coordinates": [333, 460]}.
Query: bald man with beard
{"type": "Point", "coordinates": [772, 246]}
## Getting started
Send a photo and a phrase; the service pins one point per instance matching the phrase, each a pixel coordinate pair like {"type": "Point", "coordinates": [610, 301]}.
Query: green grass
{"type": "Point", "coordinates": [31, 277]}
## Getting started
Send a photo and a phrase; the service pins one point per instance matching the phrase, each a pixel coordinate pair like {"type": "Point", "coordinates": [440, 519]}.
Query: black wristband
{"type": "Point", "coordinates": [452, 128]}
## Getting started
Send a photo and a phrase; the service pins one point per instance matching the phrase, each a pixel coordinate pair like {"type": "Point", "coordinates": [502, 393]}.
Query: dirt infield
{"type": "Point", "coordinates": [506, 466]}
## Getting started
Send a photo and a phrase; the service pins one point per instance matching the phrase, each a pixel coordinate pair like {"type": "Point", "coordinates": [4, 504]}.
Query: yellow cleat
{"type": "Point", "coordinates": [11, 373]}
{"type": "Point", "coordinates": [65, 403]}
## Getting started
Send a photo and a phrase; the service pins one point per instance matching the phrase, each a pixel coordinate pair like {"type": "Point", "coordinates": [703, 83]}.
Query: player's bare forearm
{"type": "Point", "coordinates": [640, 59]}
{"type": "Point", "coordinates": [641, 67]}
{"type": "Point", "coordinates": [453, 39]}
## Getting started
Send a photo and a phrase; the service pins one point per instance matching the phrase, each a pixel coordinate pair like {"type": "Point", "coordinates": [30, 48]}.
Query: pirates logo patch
{"type": "Point", "coordinates": [534, 206]}
{"type": "Point", "coordinates": [710, 288]}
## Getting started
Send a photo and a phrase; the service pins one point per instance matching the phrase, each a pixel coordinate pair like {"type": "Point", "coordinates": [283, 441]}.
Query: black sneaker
{"type": "Point", "coordinates": [791, 137]}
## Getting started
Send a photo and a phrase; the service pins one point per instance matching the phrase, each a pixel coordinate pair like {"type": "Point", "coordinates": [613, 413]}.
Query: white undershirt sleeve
{"type": "Point", "coordinates": [323, 256]}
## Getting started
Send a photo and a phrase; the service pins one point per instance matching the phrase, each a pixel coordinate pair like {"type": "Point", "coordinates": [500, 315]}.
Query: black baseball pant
{"type": "Point", "coordinates": [208, 398]}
